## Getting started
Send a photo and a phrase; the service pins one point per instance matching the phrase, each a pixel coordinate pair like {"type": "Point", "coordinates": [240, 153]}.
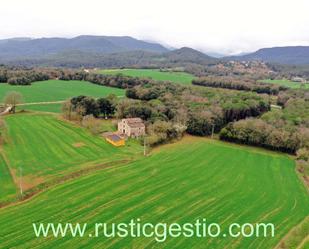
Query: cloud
{"type": "Point", "coordinates": [221, 26]}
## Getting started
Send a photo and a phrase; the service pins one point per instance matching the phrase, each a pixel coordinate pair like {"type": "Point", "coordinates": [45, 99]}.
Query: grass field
{"type": "Point", "coordinates": [44, 146]}
{"type": "Point", "coordinates": [6, 181]}
{"type": "Point", "coordinates": [56, 90]}
{"type": "Point", "coordinates": [195, 178]}
{"type": "Point", "coordinates": [54, 108]}
{"type": "Point", "coordinates": [287, 83]}
{"type": "Point", "coordinates": [156, 74]}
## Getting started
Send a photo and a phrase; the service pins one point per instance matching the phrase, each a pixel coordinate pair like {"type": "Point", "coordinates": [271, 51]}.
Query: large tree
{"type": "Point", "coordinates": [106, 107]}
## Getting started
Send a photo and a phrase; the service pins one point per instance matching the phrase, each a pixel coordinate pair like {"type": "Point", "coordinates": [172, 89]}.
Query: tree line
{"type": "Point", "coordinates": [25, 76]}
{"type": "Point", "coordinates": [285, 129]}
{"type": "Point", "coordinates": [235, 84]}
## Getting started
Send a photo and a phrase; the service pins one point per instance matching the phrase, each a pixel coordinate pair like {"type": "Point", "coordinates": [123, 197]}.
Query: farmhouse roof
{"type": "Point", "coordinates": [114, 138]}
{"type": "Point", "coordinates": [135, 122]}
{"type": "Point", "coordinates": [137, 125]}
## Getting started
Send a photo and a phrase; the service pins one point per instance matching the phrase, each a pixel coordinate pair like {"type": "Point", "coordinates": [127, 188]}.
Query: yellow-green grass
{"type": "Point", "coordinates": [156, 74]}
{"type": "Point", "coordinates": [44, 147]}
{"type": "Point", "coordinates": [56, 90]}
{"type": "Point", "coordinates": [195, 178]}
{"type": "Point", "coordinates": [287, 83]}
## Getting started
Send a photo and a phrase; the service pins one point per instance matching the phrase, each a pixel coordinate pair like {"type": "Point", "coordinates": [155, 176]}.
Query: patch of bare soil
{"type": "Point", "coordinates": [26, 182]}
{"type": "Point", "coordinates": [78, 145]}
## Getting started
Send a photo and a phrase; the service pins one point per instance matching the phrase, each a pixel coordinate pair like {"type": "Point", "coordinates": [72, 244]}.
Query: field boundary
{"type": "Point", "coordinates": [32, 192]}
{"type": "Point", "coordinates": [187, 138]}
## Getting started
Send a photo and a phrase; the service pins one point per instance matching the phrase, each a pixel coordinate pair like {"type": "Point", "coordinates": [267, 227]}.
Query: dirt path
{"type": "Point", "coordinates": [6, 111]}
{"type": "Point", "coordinates": [43, 103]}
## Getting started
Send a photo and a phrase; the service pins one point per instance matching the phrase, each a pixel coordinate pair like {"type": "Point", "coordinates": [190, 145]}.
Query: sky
{"type": "Point", "coordinates": [213, 26]}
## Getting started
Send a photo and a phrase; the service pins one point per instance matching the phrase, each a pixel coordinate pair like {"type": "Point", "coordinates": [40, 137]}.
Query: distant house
{"type": "Point", "coordinates": [115, 140]}
{"type": "Point", "coordinates": [298, 79]}
{"type": "Point", "coordinates": [131, 127]}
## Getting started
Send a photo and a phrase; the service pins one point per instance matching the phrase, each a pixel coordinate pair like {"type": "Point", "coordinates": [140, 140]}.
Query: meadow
{"type": "Point", "coordinates": [194, 178]}
{"type": "Point", "coordinates": [57, 90]}
{"type": "Point", "coordinates": [155, 74]}
{"type": "Point", "coordinates": [287, 83]}
{"type": "Point", "coordinates": [45, 146]}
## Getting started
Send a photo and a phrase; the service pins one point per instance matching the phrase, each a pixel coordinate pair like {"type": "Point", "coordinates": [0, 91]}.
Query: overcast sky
{"type": "Point", "coordinates": [221, 26]}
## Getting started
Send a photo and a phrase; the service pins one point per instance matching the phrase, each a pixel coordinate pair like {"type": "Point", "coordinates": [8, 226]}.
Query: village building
{"type": "Point", "coordinates": [131, 127]}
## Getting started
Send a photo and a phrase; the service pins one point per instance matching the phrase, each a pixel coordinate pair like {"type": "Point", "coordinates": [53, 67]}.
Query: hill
{"type": "Point", "coordinates": [105, 57]}
{"type": "Point", "coordinates": [297, 55]}
{"type": "Point", "coordinates": [188, 55]}
{"type": "Point", "coordinates": [29, 48]}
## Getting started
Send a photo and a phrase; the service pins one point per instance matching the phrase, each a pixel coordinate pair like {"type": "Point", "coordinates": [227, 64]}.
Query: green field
{"type": "Point", "coordinates": [56, 90]}
{"type": "Point", "coordinates": [54, 108]}
{"type": "Point", "coordinates": [287, 83]}
{"type": "Point", "coordinates": [6, 182]}
{"type": "Point", "coordinates": [44, 146]}
{"type": "Point", "coordinates": [156, 74]}
{"type": "Point", "coordinates": [195, 178]}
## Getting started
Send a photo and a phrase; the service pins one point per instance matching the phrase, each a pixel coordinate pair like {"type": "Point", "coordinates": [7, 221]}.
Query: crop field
{"type": "Point", "coordinates": [44, 146]}
{"type": "Point", "coordinates": [194, 178]}
{"type": "Point", "coordinates": [56, 90]}
{"type": "Point", "coordinates": [156, 74]}
{"type": "Point", "coordinates": [287, 83]}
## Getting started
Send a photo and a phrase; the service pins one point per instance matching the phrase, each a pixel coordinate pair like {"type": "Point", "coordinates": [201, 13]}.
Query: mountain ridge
{"type": "Point", "coordinates": [290, 55]}
{"type": "Point", "coordinates": [18, 47]}
{"type": "Point", "coordinates": [110, 50]}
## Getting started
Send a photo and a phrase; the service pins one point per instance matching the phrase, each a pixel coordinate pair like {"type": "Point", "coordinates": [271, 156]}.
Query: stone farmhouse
{"type": "Point", "coordinates": [131, 127]}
